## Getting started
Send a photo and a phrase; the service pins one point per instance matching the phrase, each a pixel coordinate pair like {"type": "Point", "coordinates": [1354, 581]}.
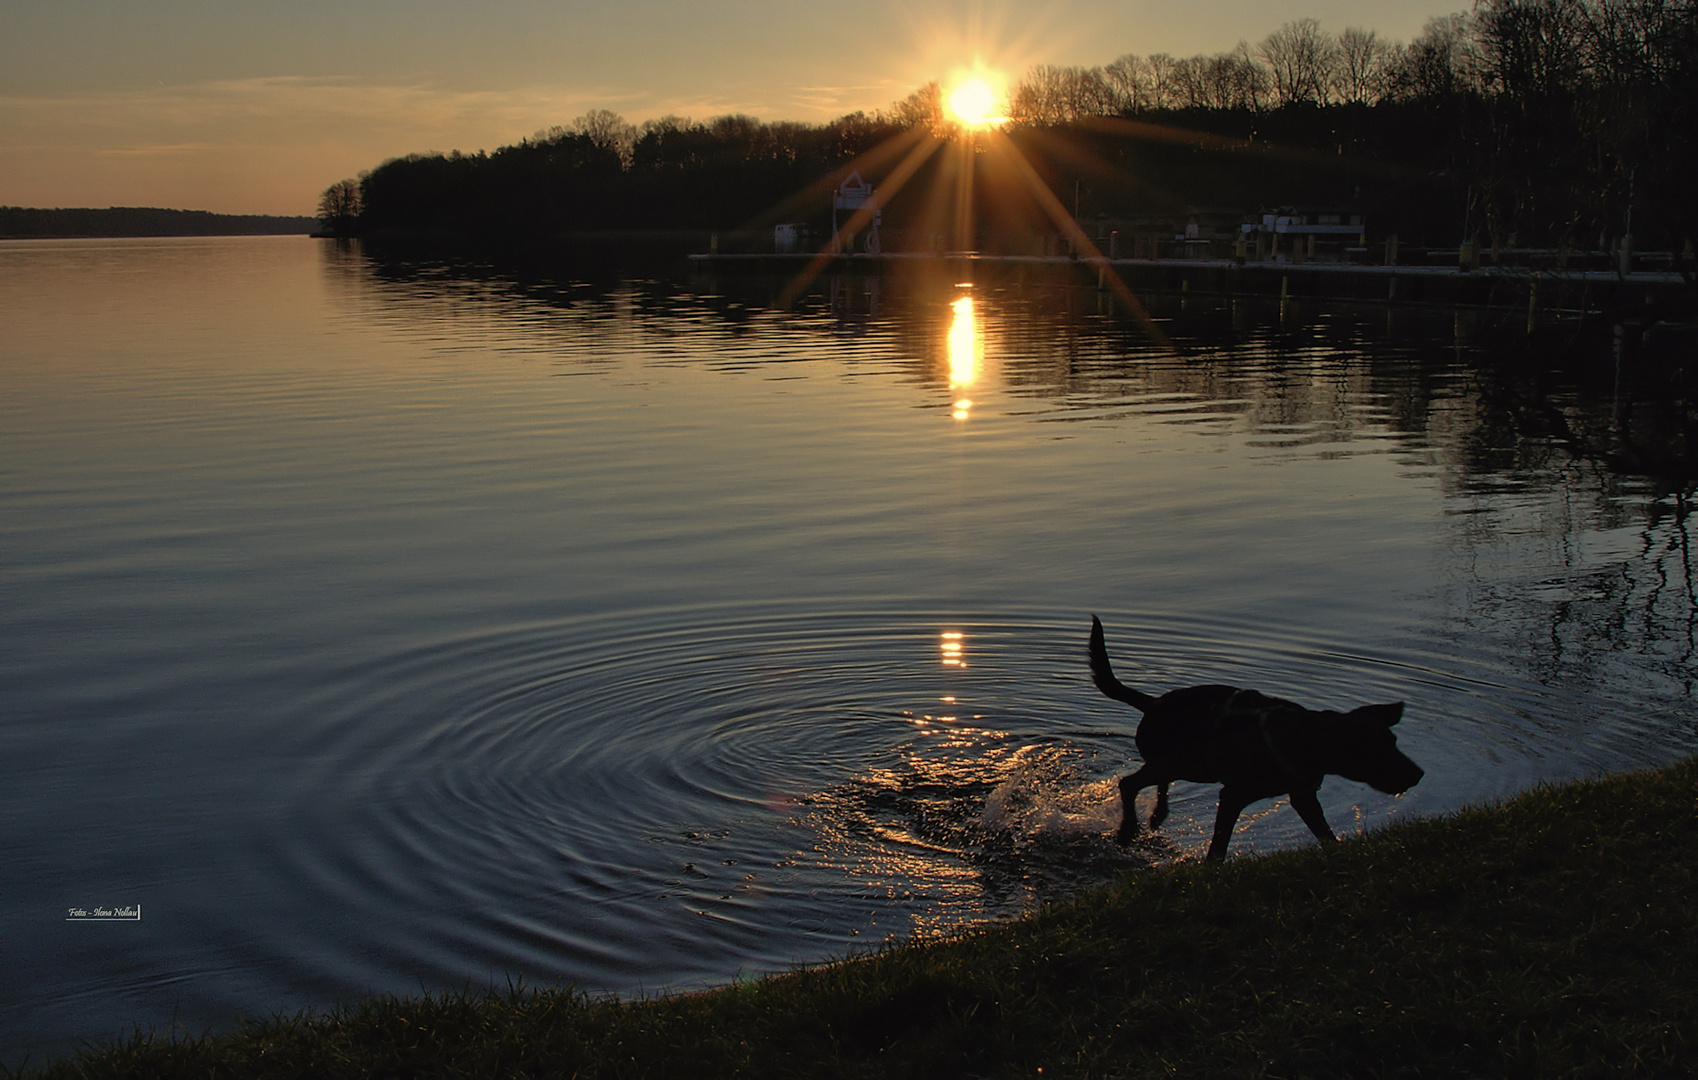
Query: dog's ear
{"type": "Point", "coordinates": [1384, 715]}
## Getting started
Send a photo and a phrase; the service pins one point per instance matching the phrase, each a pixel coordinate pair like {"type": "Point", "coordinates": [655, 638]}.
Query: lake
{"type": "Point", "coordinates": [378, 624]}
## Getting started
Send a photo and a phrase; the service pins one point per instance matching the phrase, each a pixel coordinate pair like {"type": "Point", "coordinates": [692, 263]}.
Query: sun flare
{"type": "Point", "coordinates": [972, 103]}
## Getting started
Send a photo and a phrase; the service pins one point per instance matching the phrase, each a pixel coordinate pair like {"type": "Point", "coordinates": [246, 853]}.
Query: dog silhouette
{"type": "Point", "coordinates": [1255, 746]}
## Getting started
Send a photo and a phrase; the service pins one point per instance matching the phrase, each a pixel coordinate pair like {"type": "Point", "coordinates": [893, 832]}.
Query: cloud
{"type": "Point", "coordinates": [833, 101]}
{"type": "Point", "coordinates": [171, 148]}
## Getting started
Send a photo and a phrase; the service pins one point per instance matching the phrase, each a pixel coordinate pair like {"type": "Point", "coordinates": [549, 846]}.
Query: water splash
{"type": "Point", "coordinates": [980, 827]}
{"type": "Point", "coordinates": [1044, 797]}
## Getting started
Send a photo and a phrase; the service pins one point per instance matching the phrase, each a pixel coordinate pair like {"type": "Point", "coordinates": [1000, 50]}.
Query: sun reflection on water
{"type": "Point", "coordinates": [966, 349]}
{"type": "Point", "coordinates": [952, 649]}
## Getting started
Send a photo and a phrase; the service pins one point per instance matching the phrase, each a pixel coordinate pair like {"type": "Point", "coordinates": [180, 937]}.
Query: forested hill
{"type": "Point", "coordinates": [20, 222]}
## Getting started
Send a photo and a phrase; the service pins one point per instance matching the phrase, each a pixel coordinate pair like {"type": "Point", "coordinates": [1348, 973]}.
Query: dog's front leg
{"type": "Point", "coordinates": [1308, 808]}
{"type": "Point", "coordinates": [1231, 805]}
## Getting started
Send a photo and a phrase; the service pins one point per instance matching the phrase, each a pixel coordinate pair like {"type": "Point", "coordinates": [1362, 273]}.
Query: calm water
{"type": "Point", "coordinates": [377, 627]}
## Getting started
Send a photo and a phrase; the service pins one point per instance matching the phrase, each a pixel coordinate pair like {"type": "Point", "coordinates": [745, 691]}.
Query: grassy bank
{"type": "Point", "coordinates": [1552, 935]}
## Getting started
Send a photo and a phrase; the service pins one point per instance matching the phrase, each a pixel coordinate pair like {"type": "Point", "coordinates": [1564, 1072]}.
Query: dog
{"type": "Point", "coordinates": [1255, 746]}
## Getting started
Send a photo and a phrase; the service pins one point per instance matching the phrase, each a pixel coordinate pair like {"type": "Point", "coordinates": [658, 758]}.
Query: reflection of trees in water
{"type": "Point", "coordinates": [1671, 596]}
{"type": "Point", "coordinates": [1565, 462]}
{"type": "Point", "coordinates": [1586, 581]}
{"type": "Point", "coordinates": [1321, 379]}
{"type": "Point", "coordinates": [1572, 471]}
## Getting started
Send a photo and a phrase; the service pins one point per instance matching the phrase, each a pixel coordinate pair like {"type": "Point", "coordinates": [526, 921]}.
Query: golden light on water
{"type": "Point", "coordinates": [965, 349]}
{"type": "Point", "coordinates": [951, 647]}
{"type": "Point", "coordinates": [963, 343]}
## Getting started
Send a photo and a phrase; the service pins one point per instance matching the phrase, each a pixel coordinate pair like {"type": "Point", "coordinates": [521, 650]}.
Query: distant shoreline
{"type": "Point", "coordinates": [26, 223]}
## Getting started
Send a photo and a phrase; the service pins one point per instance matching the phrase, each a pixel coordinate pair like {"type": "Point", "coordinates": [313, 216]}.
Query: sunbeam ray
{"type": "Point", "coordinates": [869, 163]}
{"type": "Point", "coordinates": [964, 224]}
{"type": "Point", "coordinates": [1070, 228]}
{"type": "Point", "coordinates": [882, 195]}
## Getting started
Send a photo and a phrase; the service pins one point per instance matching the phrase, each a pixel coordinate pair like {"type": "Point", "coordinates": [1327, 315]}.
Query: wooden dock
{"type": "Point", "coordinates": [1537, 290]}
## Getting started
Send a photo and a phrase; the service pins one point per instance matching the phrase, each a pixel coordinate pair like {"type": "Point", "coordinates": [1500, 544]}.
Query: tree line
{"type": "Point", "coordinates": [602, 173]}
{"type": "Point", "coordinates": [1522, 122]}
{"type": "Point", "coordinates": [22, 222]}
{"type": "Point", "coordinates": [1300, 64]}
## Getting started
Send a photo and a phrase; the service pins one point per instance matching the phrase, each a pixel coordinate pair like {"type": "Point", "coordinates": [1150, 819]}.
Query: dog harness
{"type": "Point", "coordinates": [1280, 763]}
{"type": "Point", "coordinates": [1258, 705]}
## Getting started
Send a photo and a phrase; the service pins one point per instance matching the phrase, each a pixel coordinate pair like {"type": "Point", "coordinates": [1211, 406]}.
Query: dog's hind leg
{"type": "Point", "coordinates": [1308, 808]}
{"type": "Point", "coordinates": [1159, 814]}
{"type": "Point", "coordinates": [1232, 803]}
{"type": "Point", "coordinates": [1129, 789]}
{"type": "Point", "coordinates": [1130, 786]}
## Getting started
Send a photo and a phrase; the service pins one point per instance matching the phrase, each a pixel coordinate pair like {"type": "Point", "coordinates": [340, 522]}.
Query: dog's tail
{"type": "Point", "coordinates": [1103, 675]}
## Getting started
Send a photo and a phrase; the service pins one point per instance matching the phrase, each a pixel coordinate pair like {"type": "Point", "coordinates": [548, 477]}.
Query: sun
{"type": "Point", "coordinates": [972, 103]}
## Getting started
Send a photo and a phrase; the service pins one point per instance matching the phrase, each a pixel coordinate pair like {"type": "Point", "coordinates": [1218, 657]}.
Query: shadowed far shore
{"type": "Point", "coordinates": [29, 223]}
{"type": "Point", "coordinates": [1549, 934]}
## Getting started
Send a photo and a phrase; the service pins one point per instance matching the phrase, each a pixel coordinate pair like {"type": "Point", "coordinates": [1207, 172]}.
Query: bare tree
{"type": "Point", "coordinates": [1533, 48]}
{"type": "Point", "coordinates": [1058, 95]}
{"type": "Point", "coordinates": [1036, 98]}
{"type": "Point", "coordinates": [745, 137]}
{"type": "Point", "coordinates": [922, 108]}
{"type": "Point", "coordinates": [1252, 85]}
{"type": "Point", "coordinates": [1220, 81]}
{"type": "Point", "coordinates": [1191, 83]}
{"type": "Point", "coordinates": [1092, 93]}
{"type": "Point", "coordinates": [339, 207]}
{"type": "Point", "coordinates": [1228, 80]}
{"type": "Point", "coordinates": [1300, 57]}
{"type": "Point", "coordinates": [1129, 80]}
{"type": "Point", "coordinates": [669, 124]}
{"type": "Point", "coordinates": [1162, 90]}
{"type": "Point", "coordinates": [1363, 60]}
{"type": "Point", "coordinates": [1441, 62]}
{"type": "Point", "coordinates": [608, 130]}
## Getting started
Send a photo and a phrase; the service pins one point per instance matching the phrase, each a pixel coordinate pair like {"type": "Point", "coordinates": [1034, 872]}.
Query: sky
{"type": "Point", "coordinates": [256, 106]}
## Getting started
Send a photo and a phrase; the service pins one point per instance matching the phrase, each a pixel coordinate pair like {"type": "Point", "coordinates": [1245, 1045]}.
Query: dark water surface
{"type": "Point", "coordinates": [377, 627]}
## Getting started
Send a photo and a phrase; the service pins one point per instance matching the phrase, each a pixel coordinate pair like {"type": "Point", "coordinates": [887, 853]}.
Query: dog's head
{"type": "Point", "coordinates": [1368, 750]}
